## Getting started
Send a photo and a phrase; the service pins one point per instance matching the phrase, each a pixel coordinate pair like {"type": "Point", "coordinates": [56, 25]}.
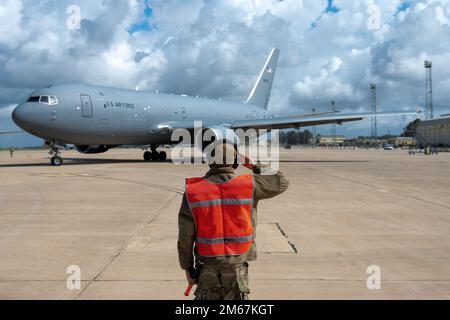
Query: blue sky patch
{"type": "Point", "coordinates": [144, 24]}
{"type": "Point", "coordinates": [331, 7]}
{"type": "Point", "coordinates": [403, 6]}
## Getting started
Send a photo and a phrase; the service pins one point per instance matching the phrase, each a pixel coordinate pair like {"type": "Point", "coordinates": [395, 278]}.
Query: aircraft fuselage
{"type": "Point", "coordinates": [93, 115]}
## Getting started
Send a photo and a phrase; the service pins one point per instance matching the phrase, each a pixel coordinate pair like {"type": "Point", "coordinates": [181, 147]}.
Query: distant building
{"type": "Point", "coordinates": [435, 132]}
{"type": "Point", "coordinates": [332, 140]}
{"type": "Point", "coordinates": [402, 141]}
{"type": "Point", "coordinates": [365, 142]}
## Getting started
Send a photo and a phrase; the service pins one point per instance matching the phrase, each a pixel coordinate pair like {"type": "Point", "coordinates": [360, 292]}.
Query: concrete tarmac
{"type": "Point", "coordinates": [115, 217]}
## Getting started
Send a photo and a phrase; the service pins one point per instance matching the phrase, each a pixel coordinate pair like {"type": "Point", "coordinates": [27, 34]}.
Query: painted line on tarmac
{"type": "Point", "coordinates": [85, 175]}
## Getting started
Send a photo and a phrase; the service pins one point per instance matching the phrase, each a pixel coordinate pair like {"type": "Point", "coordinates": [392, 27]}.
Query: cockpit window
{"type": "Point", "coordinates": [44, 99]}
{"type": "Point", "coordinates": [50, 100]}
{"type": "Point", "coordinates": [33, 99]}
{"type": "Point", "coordinates": [53, 100]}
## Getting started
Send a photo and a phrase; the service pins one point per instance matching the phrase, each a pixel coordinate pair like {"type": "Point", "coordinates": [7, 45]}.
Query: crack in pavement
{"type": "Point", "coordinates": [287, 239]}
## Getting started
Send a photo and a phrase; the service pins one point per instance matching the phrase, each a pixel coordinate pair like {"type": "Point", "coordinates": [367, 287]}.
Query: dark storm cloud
{"type": "Point", "coordinates": [100, 31]}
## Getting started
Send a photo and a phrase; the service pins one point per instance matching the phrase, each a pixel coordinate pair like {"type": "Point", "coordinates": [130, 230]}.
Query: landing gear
{"type": "Point", "coordinates": [55, 152]}
{"type": "Point", "coordinates": [56, 161]}
{"type": "Point", "coordinates": [154, 155]}
{"type": "Point", "coordinates": [147, 156]}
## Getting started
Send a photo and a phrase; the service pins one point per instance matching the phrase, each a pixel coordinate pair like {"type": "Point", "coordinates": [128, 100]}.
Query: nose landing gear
{"type": "Point", "coordinates": [55, 152]}
{"type": "Point", "coordinates": [56, 161]}
{"type": "Point", "coordinates": [154, 155]}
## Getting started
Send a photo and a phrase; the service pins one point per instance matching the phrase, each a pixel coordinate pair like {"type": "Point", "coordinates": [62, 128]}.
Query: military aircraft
{"type": "Point", "coordinates": [96, 119]}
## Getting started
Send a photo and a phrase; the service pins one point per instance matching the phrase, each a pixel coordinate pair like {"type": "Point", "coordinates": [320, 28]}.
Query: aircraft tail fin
{"type": "Point", "coordinates": [260, 94]}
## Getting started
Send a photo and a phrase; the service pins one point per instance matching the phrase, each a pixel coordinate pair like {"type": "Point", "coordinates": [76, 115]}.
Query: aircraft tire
{"type": "Point", "coordinates": [155, 156]}
{"type": "Point", "coordinates": [163, 156]}
{"type": "Point", "coordinates": [56, 161]}
{"type": "Point", "coordinates": [147, 156]}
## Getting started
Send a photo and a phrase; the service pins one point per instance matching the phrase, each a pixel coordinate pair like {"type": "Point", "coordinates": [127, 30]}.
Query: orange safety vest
{"type": "Point", "coordinates": [223, 215]}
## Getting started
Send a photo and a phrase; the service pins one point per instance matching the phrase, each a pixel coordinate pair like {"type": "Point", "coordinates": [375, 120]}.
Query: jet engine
{"type": "Point", "coordinates": [208, 136]}
{"type": "Point", "coordinates": [87, 149]}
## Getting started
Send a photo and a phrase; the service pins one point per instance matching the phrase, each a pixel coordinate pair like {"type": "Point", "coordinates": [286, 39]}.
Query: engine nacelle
{"type": "Point", "coordinates": [87, 149]}
{"type": "Point", "coordinates": [212, 134]}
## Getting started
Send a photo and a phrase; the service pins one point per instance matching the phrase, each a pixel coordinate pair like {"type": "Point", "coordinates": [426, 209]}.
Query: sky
{"type": "Point", "coordinates": [330, 50]}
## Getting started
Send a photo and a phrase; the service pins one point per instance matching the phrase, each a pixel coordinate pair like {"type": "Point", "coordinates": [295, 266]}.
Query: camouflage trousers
{"type": "Point", "coordinates": [223, 282]}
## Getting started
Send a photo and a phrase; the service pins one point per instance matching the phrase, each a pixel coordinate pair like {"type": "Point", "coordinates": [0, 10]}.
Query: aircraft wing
{"type": "Point", "coordinates": [10, 132]}
{"type": "Point", "coordinates": [296, 122]}
{"type": "Point", "coordinates": [315, 114]}
{"type": "Point", "coordinates": [286, 122]}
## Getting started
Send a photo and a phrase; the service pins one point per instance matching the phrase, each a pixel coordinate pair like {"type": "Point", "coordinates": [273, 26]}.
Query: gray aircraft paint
{"type": "Point", "coordinates": [112, 122]}
{"type": "Point", "coordinates": [260, 93]}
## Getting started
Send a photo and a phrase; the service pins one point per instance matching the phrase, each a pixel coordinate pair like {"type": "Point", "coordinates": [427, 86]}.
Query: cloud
{"type": "Point", "coordinates": [216, 48]}
{"type": "Point", "coordinates": [11, 33]}
{"type": "Point", "coordinates": [328, 83]}
{"type": "Point", "coordinates": [5, 112]}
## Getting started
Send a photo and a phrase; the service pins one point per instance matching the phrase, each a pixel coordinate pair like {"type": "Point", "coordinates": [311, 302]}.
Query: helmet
{"type": "Point", "coordinates": [224, 154]}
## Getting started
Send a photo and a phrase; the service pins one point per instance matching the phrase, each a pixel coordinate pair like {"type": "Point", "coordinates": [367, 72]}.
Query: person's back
{"type": "Point", "coordinates": [217, 226]}
{"type": "Point", "coordinates": [11, 152]}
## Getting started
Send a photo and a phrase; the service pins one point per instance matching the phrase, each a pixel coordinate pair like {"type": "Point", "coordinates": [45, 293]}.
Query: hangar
{"type": "Point", "coordinates": [435, 132]}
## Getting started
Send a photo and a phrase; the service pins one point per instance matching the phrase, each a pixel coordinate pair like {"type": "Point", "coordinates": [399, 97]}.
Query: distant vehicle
{"type": "Point", "coordinates": [288, 147]}
{"type": "Point", "coordinates": [388, 147]}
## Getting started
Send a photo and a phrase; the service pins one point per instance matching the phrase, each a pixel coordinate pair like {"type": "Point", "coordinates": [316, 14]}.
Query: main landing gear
{"type": "Point", "coordinates": [154, 155]}
{"type": "Point", "coordinates": [56, 158]}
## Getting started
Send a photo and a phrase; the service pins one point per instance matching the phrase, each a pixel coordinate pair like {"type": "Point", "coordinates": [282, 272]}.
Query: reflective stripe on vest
{"type": "Point", "coordinates": [222, 214]}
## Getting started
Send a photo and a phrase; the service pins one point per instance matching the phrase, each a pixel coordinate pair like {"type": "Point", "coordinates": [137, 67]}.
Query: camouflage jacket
{"type": "Point", "coordinates": [266, 187]}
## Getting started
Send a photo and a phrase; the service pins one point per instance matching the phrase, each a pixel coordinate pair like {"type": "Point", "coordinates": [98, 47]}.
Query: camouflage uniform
{"type": "Point", "coordinates": [224, 278]}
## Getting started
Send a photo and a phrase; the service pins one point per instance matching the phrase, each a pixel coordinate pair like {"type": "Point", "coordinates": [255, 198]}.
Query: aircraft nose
{"type": "Point", "coordinates": [21, 115]}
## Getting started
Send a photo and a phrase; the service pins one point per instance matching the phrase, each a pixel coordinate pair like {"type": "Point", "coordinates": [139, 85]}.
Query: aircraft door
{"type": "Point", "coordinates": [86, 106]}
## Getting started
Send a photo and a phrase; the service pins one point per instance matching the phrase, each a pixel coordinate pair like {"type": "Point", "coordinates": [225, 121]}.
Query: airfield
{"type": "Point", "coordinates": [115, 216]}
